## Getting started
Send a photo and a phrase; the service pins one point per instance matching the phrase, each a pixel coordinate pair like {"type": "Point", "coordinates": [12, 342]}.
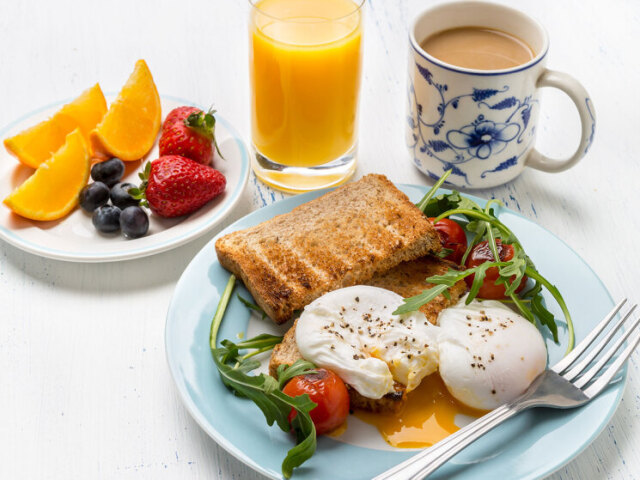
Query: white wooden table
{"type": "Point", "coordinates": [85, 392]}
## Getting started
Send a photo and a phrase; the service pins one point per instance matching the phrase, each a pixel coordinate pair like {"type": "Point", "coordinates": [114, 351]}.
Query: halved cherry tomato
{"type": "Point", "coordinates": [482, 253]}
{"type": "Point", "coordinates": [328, 391]}
{"type": "Point", "coordinates": [452, 236]}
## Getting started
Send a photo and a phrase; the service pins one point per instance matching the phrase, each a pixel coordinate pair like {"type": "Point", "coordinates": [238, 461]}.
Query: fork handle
{"type": "Point", "coordinates": [433, 462]}
{"type": "Point", "coordinates": [442, 445]}
{"type": "Point", "coordinates": [428, 461]}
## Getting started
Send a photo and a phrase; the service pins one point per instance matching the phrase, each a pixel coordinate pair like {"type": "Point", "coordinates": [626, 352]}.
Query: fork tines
{"type": "Point", "coordinates": [578, 366]}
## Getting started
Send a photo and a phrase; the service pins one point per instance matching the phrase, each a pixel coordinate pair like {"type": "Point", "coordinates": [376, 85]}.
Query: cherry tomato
{"type": "Point", "coordinates": [482, 253]}
{"type": "Point", "coordinates": [452, 236]}
{"type": "Point", "coordinates": [328, 391]}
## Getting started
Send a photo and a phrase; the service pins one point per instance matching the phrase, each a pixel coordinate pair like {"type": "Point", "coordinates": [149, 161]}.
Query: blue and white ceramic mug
{"type": "Point", "coordinates": [482, 123]}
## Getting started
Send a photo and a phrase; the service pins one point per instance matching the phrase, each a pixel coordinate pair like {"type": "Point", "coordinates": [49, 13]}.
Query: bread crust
{"type": "Point", "coordinates": [342, 238]}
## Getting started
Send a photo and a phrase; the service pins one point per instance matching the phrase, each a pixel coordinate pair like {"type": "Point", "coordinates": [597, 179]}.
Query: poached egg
{"type": "Point", "coordinates": [353, 332]}
{"type": "Point", "coordinates": [488, 353]}
{"type": "Point", "coordinates": [481, 355]}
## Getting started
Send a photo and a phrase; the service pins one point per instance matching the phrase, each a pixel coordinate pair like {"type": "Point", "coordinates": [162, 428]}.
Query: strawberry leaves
{"type": "Point", "coordinates": [139, 192]}
{"type": "Point", "coordinates": [234, 369]}
{"type": "Point", "coordinates": [205, 125]}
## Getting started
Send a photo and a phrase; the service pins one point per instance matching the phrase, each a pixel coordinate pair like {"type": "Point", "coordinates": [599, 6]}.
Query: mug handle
{"type": "Point", "coordinates": [580, 97]}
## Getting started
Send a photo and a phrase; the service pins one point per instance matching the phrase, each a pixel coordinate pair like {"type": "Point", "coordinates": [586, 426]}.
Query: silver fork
{"type": "Point", "coordinates": [570, 383]}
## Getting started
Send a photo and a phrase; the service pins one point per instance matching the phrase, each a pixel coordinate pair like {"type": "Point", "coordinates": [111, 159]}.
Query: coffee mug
{"type": "Point", "coordinates": [481, 124]}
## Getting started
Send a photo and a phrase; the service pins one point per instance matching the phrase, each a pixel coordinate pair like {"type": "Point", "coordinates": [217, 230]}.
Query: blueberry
{"type": "Point", "coordinates": [109, 172]}
{"type": "Point", "coordinates": [106, 219]}
{"type": "Point", "coordinates": [93, 196]}
{"type": "Point", "coordinates": [134, 222]}
{"type": "Point", "coordinates": [120, 195]}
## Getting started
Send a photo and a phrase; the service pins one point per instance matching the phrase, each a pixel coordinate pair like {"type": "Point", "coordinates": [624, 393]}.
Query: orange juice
{"type": "Point", "coordinates": [305, 76]}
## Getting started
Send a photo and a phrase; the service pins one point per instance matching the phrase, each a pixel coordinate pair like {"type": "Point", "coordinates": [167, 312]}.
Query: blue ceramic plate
{"type": "Point", "coordinates": [531, 445]}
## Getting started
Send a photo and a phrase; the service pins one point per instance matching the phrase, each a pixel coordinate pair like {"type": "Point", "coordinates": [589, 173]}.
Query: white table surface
{"type": "Point", "coordinates": [85, 392]}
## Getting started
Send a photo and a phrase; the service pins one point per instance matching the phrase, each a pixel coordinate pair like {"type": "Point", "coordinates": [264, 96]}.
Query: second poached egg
{"type": "Point", "coordinates": [488, 354]}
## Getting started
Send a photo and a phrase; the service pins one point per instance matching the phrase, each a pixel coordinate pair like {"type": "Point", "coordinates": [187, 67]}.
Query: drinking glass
{"type": "Point", "coordinates": [305, 62]}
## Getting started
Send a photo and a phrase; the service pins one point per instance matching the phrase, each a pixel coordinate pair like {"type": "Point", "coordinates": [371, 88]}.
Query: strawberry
{"type": "Point", "coordinates": [173, 185]}
{"type": "Point", "coordinates": [189, 132]}
{"type": "Point", "coordinates": [178, 114]}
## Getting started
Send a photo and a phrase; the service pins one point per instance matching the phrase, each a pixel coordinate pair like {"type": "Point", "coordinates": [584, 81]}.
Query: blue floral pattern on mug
{"type": "Point", "coordinates": [483, 137]}
{"type": "Point", "coordinates": [502, 120]}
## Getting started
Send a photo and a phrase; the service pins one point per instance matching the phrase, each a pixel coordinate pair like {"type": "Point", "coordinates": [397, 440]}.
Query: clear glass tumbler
{"type": "Point", "coordinates": [305, 63]}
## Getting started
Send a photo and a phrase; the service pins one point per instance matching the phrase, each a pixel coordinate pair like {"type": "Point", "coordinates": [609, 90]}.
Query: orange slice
{"type": "Point", "coordinates": [52, 191]}
{"type": "Point", "coordinates": [36, 144]}
{"type": "Point", "coordinates": [129, 129]}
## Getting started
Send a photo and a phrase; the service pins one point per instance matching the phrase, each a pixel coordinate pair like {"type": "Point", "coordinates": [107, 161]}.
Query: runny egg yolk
{"type": "Point", "coordinates": [427, 416]}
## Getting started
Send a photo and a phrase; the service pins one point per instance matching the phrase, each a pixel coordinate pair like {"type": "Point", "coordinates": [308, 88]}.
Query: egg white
{"type": "Point", "coordinates": [353, 332]}
{"type": "Point", "coordinates": [488, 354]}
{"type": "Point", "coordinates": [485, 353]}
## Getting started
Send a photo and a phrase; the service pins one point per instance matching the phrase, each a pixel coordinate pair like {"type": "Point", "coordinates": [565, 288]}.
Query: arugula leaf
{"type": "Point", "coordinates": [259, 341]}
{"type": "Point", "coordinates": [265, 391]}
{"type": "Point", "coordinates": [478, 228]}
{"type": "Point", "coordinates": [484, 224]}
{"type": "Point", "coordinates": [258, 388]}
{"type": "Point", "coordinates": [446, 202]}
{"type": "Point", "coordinates": [539, 307]}
{"type": "Point", "coordinates": [545, 316]}
{"type": "Point", "coordinates": [414, 303]}
{"type": "Point", "coordinates": [526, 313]}
{"type": "Point", "coordinates": [299, 367]}
{"type": "Point", "coordinates": [252, 306]}
{"type": "Point", "coordinates": [444, 252]}
{"type": "Point", "coordinates": [305, 436]}
{"type": "Point", "coordinates": [220, 309]}
{"type": "Point", "coordinates": [427, 198]}
{"type": "Point", "coordinates": [478, 278]}
{"type": "Point", "coordinates": [491, 236]}
{"type": "Point", "coordinates": [442, 283]}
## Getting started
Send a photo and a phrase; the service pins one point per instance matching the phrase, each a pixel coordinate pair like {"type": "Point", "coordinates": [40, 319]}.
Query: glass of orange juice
{"type": "Point", "coordinates": [305, 62]}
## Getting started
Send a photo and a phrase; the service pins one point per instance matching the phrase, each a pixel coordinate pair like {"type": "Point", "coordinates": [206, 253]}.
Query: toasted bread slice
{"type": "Point", "coordinates": [340, 239]}
{"type": "Point", "coordinates": [407, 279]}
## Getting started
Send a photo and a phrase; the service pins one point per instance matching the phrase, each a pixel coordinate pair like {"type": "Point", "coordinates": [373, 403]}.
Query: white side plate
{"type": "Point", "coordinates": [74, 238]}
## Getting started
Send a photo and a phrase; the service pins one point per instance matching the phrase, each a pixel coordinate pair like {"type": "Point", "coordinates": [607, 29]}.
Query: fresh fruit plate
{"type": "Point", "coordinates": [529, 446]}
{"type": "Point", "coordinates": [74, 238]}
